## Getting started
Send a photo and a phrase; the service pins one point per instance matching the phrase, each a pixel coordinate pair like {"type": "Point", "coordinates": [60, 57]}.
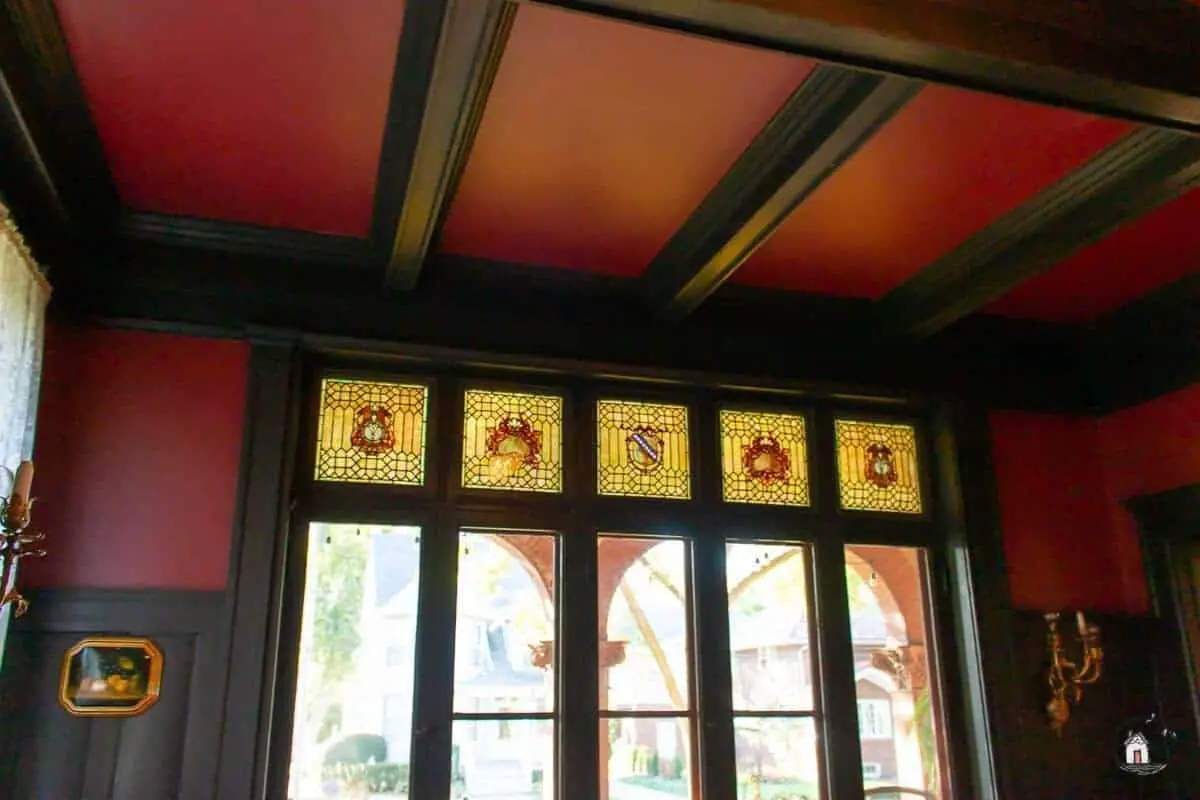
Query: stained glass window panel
{"type": "Point", "coordinates": [642, 450]}
{"type": "Point", "coordinates": [877, 466]}
{"type": "Point", "coordinates": [763, 458]}
{"type": "Point", "coordinates": [512, 441]}
{"type": "Point", "coordinates": [372, 432]}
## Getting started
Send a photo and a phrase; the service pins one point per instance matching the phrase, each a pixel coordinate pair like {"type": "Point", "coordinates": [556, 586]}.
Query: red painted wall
{"type": "Point", "coordinates": [1061, 480]}
{"type": "Point", "coordinates": [138, 447]}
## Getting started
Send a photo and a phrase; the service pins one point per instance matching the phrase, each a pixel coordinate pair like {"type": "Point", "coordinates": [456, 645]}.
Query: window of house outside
{"type": "Point", "coordinates": [520, 591]}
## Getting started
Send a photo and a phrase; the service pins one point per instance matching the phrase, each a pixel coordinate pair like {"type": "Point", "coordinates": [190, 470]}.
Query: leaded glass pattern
{"type": "Point", "coordinates": [512, 441]}
{"type": "Point", "coordinates": [372, 432]}
{"type": "Point", "coordinates": [642, 450]}
{"type": "Point", "coordinates": [764, 458]}
{"type": "Point", "coordinates": [877, 466]}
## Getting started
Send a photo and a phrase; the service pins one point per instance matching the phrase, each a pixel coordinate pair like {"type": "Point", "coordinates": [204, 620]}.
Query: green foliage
{"type": "Point", "coordinates": [339, 573]}
{"type": "Point", "coordinates": [923, 721]}
{"type": "Point", "coordinates": [337, 567]}
{"type": "Point", "coordinates": [376, 778]}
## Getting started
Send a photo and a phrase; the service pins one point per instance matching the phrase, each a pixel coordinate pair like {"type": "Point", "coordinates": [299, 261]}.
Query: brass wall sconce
{"type": "Point", "coordinates": [15, 543]}
{"type": "Point", "coordinates": [1066, 677]}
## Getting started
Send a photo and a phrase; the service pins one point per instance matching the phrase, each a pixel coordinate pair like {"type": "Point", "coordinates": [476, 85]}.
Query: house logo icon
{"type": "Point", "coordinates": [1145, 747]}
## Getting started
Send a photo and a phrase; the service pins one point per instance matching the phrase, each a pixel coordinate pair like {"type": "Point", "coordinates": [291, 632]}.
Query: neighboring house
{"type": "Point", "coordinates": [777, 664]}
{"type": "Point", "coordinates": [493, 672]}
{"type": "Point", "coordinates": [771, 672]}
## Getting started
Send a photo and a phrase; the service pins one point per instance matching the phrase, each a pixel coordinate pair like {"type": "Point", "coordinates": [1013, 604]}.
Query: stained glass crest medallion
{"type": "Point", "coordinates": [374, 431]}
{"type": "Point", "coordinates": [878, 466]}
{"type": "Point", "coordinates": [371, 432]}
{"type": "Point", "coordinates": [764, 458]}
{"type": "Point", "coordinates": [512, 440]}
{"type": "Point", "coordinates": [645, 447]}
{"type": "Point", "coordinates": [642, 450]}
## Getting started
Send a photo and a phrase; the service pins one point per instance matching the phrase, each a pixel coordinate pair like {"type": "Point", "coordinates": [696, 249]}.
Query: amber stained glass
{"type": "Point", "coordinates": [877, 466]}
{"type": "Point", "coordinates": [763, 458]}
{"type": "Point", "coordinates": [372, 432]}
{"type": "Point", "coordinates": [642, 450]}
{"type": "Point", "coordinates": [512, 441]}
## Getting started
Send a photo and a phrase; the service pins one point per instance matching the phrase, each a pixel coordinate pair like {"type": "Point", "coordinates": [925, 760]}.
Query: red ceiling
{"type": "Point", "coordinates": [268, 112]}
{"type": "Point", "coordinates": [950, 162]}
{"type": "Point", "coordinates": [598, 141]}
{"type": "Point", "coordinates": [1151, 252]}
{"type": "Point", "coordinates": [600, 138]}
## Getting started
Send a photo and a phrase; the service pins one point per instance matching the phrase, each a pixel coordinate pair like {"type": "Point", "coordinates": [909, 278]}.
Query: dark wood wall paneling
{"type": "Point", "coordinates": [1169, 524]}
{"type": "Point", "coordinates": [168, 752]}
{"type": "Point", "coordinates": [1084, 762]}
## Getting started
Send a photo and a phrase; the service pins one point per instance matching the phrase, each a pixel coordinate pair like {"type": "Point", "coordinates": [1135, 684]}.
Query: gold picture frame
{"type": "Point", "coordinates": [110, 676]}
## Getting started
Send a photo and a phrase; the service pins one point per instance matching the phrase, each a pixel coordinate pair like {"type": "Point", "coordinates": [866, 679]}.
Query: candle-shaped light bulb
{"type": "Point", "coordinates": [1081, 622]}
{"type": "Point", "coordinates": [23, 484]}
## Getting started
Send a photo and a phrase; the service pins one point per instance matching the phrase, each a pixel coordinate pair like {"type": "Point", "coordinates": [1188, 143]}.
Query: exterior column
{"type": "Point", "coordinates": [913, 679]}
{"type": "Point", "coordinates": [611, 654]}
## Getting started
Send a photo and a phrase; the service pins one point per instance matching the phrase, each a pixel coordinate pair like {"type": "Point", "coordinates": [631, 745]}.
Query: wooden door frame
{"type": "Point", "coordinates": [1164, 522]}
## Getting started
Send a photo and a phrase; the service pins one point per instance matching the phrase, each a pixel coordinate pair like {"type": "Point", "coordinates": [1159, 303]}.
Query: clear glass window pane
{"type": "Point", "coordinates": [504, 635]}
{"type": "Point", "coordinates": [354, 692]}
{"type": "Point", "coordinates": [645, 643]}
{"type": "Point", "coordinates": [776, 758]}
{"type": "Point", "coordinates": [648, 758]}
{"type": "Point", "coordinates": [896, 681]}
{"type": "Point", "coordinates": [502, 759]}
{"type": "Point", "coordinates": [770, 651]}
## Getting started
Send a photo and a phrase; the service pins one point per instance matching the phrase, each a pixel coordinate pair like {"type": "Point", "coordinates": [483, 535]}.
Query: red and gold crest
{"type": "Point", "coordinates": [766, 460]}
{"type": "Point", "coordinates": [513, 443]}
{"type": "Point", "coordinates": [373, 430]}
{"type": "Point", "coordinates": [881, 468]}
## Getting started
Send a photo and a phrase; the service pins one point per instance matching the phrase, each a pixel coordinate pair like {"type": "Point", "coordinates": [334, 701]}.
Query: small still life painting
{"type": "Point", "coordinates": [110, 677]}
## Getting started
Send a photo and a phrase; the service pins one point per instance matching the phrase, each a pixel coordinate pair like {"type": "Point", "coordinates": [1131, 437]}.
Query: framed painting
{"type": "Point", "coordinates": [110, 677]}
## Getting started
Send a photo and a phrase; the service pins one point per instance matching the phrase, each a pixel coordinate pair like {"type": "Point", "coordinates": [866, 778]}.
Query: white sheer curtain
{"type": "Point", "coordinates": [24, 293]}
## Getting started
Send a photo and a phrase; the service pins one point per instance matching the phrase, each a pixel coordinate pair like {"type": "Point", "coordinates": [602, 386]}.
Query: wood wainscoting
{"type": "Point", "coordinates": [168, 752]}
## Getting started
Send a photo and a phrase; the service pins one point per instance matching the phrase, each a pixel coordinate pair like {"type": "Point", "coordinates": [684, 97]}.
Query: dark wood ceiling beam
{"type": "Point", "coordinates": [1147, 348]}
{"type": "Point", "coordinates": [744, 331]}
{"type": "Point", "coordinates": [348, 252]}
{"type": "Point", "coordinates": [825, 121]}
{"type": "Point", "coordinates": [53, 171]}
{"type": "Point", "coordinates": [447, 59]}
{"type": "Point", "coordinates": [1132, 60]}
{"type": "Point", "coordinates": [1139, 173]}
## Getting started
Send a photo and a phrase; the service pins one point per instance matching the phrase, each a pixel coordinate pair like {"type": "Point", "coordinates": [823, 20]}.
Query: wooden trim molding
{"type": "Point", "coordinates": [825, 121]}
{"type": "Point", "coordinates": [344, 251]}
{"type": "Point", "coordinates": [1139, 173]}
{"type": "Point", "coordinates": [1018, 364]}
{"type": "Point", "coordinates": [253, 600]}
{"type": "Point", "coordinates": [1146, 349]}
{"type": "Point", "coordinates": [448, 56]}
{"type": "Point", "coordinates": [61, 189]}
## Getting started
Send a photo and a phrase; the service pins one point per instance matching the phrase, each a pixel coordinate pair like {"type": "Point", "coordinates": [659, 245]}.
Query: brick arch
{"type": "Point", "coordinates": [615, 557]}
{"type": "Point", "coordinates": [535, 554]}
{"type": "Point", "coordinates": [897, 588]}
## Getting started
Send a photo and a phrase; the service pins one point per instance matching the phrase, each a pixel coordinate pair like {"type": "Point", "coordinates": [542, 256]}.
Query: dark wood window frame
{"type": "Point", "coordinates": [279, 495]}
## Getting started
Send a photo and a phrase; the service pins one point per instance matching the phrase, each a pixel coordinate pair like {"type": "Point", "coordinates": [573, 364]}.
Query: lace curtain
{"type": "Point", "coordinates": [24, 293]}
